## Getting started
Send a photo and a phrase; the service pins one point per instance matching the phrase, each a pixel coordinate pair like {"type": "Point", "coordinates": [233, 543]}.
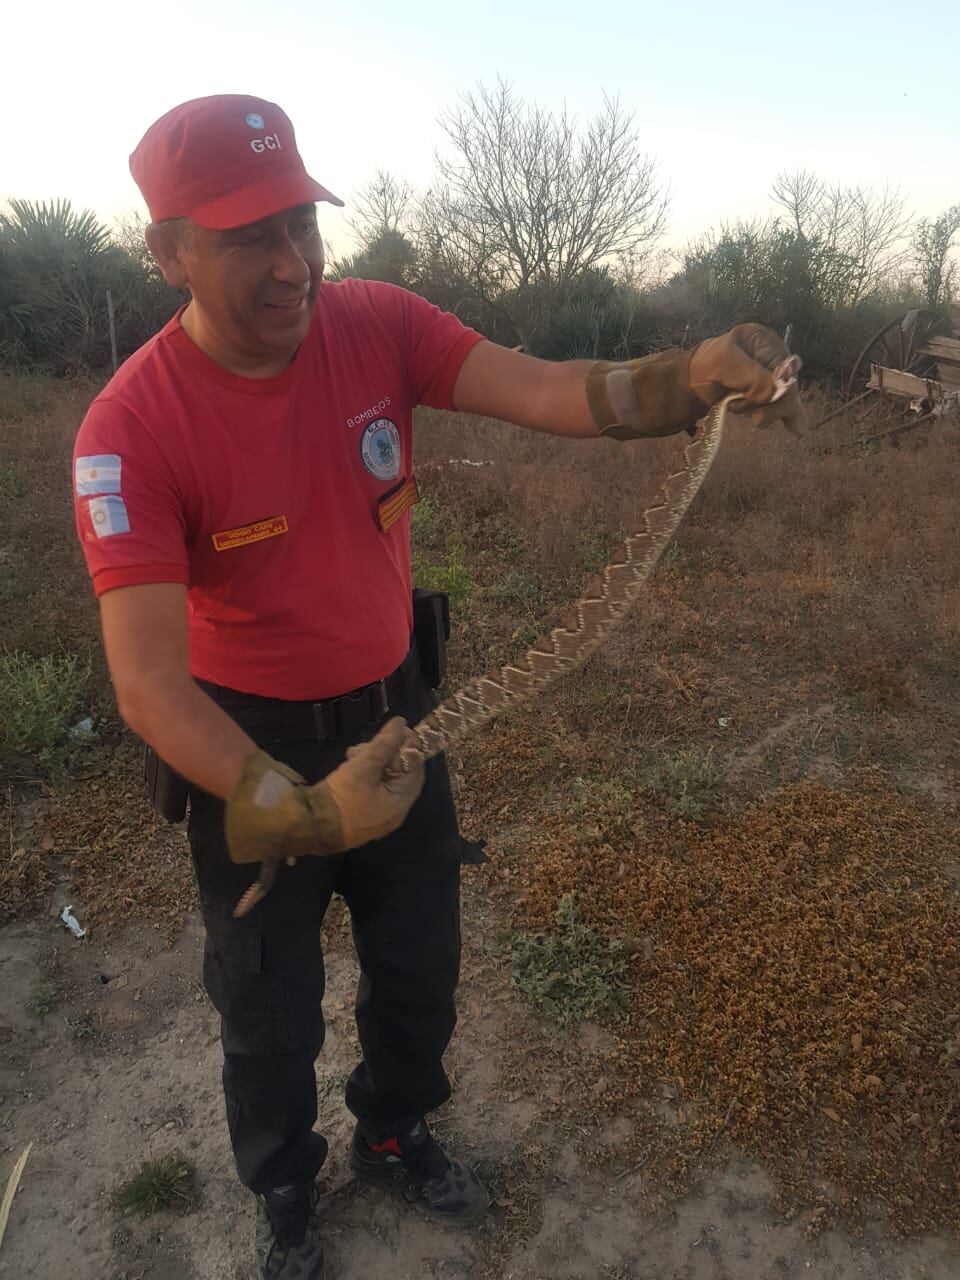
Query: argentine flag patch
{"type": "Point", "coordinates": [97, 473]}
{"type": "Point", "coordinates": [108, 516]}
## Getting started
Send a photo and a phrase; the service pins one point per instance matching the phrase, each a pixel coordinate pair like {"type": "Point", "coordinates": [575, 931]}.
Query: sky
{"type": "Point", "coordinates": [724, 95]}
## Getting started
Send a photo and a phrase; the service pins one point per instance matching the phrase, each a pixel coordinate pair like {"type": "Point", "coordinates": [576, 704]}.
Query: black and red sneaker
{"type": "Point", "coordinates": [414, 1162]}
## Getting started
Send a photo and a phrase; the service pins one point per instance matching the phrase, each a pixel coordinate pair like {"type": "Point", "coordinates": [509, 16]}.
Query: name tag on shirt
{"type": "Point", "coordinates": [393, 504]}
{"type": "Point", "coordinates": [248, 533]}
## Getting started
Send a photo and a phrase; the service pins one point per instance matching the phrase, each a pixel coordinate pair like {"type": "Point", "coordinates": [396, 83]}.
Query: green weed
{"type": "Point", "coordinates": [594, 547]}
{"type": "Point", "coordinates": [428, 526]}
{"type": "Point", "coordinates": [687, 781]}
{"type": "Point", "coordinates": [83, 1028]}
{"type": "Point", "coordinates": [451, 576]}
{"type": "Point", "coordinates": [39, 702]}
{"type": "Point", "coordinates": [438, 561]}
{"type": "Point", "coordinates": [609, 802]}
{"type": "Point", "coordinates": [167, 1183]}
{"type": "Point", "coordinates": [11, 486]}
{"type": "Point", "coordinates": [43, 998]}
{"type": "Point", "coordinates": [571, 973]}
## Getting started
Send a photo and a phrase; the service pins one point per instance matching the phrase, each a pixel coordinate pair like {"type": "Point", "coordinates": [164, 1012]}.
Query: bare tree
{"type": "Point", "coordinates": [380, 208]}
{"type": "Point", "coordinates": [385, 251]}
{"type": "Point", "coordinates": [933, 241]}
{"type": "Point", "coordinates": [527, 201]}
{"type": "Point", "coordinates": [861, 232]}
{"type": "Point", "coordinates": [800, 194]}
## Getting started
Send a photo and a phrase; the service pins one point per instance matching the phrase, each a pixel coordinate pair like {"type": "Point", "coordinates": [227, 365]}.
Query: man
{"type": "Point", "coordinates": [243, 487]}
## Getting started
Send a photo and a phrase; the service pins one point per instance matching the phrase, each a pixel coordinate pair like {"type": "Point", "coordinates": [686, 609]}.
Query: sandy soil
{"type": "Point", "coordinates": [124, 1065]}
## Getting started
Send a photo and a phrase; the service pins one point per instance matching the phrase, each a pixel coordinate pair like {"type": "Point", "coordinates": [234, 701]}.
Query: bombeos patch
{"type": "Point", "coordinates": [380, 449]}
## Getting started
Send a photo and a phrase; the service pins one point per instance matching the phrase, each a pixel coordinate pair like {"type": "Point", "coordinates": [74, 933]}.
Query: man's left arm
{"type": "Point", "coordinates": [539, 394]}
{"type": "Point", "coordinates": [655, 395]}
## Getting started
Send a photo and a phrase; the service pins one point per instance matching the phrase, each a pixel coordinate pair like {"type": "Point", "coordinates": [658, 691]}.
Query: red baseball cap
{"type": "Point", "coordinates": [223, 162]}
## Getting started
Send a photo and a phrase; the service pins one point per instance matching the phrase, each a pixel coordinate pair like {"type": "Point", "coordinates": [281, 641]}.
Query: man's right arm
{"type": "Point", "coordinates": [131, 521]}
{"type": "Point", "coordinates": [145, 637]}
{"type": "Point", "coordinates": [270, 811]}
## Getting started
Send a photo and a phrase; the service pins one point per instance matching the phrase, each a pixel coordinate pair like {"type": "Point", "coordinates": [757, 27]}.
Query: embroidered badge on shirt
{"type": "Point", "coordinates": [108, 516]}
{"type": "Point", "coordinates": [97, 473]}
{"type": "Point", "coordinates": [380, 449]}
{"type": "Point", "coordinates": [248, 533]}
{"type": "Point", "coordinates": [393, 504]}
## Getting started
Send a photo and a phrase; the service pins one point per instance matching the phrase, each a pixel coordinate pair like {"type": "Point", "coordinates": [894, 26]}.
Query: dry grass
{"type": "Point", "coordinates": [838, 539]}
{"type": "Point", "coordinates": [796, 984]}
{"type": "Point", "coordinates": [46, 606]}
{"type": "Point", "coordinates": [792, 949]}
{"type": "Point", "coordinates": [805, 589]}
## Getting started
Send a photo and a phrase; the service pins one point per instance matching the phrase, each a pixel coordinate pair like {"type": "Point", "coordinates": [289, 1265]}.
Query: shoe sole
{"type": "Point", "coordinates": [380, 1176]}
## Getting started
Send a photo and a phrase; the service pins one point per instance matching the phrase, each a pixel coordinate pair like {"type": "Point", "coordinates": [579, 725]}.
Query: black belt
{"type": "Point", "coordinates": [345, 716]}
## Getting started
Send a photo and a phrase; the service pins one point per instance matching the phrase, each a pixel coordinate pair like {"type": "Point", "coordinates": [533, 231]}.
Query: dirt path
{"type": "Point", "coordinates": [110, 1055]}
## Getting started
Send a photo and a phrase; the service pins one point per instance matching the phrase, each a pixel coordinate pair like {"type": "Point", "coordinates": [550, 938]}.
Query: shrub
{"type": "Point", "coordinates": [39, 698]}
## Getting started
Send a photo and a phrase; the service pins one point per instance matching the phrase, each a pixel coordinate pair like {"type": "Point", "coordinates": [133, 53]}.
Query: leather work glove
{"type": "Point", "coordinates": [273, 813]}
{"type": "Point", "coordinates": [661, 394]}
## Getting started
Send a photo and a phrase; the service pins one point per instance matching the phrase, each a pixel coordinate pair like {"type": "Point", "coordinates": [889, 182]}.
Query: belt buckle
{"type": "Point", "coordinates": [361, 709]}
{"type": "Point", "coordinates": [351, 713]}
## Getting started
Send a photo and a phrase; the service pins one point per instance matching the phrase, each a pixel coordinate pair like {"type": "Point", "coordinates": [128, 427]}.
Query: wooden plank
{"type": "Point", "coordinates": [12, 1183]}
{"type": "Point", "coordinates": [941, 348]}
{"type": "Point", "coordinates": [895, 382]}
{"type": "Point", "coordinates": [948, 375]}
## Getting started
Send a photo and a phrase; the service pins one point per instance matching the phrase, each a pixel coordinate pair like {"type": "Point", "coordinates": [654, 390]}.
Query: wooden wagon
{"type": "Point", "coordinates": [914, 360]}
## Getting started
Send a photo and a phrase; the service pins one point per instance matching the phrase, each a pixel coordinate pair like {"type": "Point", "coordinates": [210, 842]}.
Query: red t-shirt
{"type": "Point", "coordinates": [263, 495]}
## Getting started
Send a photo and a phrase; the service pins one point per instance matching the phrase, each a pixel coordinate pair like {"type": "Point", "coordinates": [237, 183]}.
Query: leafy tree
{"type": "Point", "coordinates": [56, 263]}
{"type": "Point", "coordinates": [597, 317]}
{"type": "Point", "coordinates": [56, 266]}
{"type": "Point", "coordinates": [933, 240]}
{"type": "Point", "coordinates": [388, 256]}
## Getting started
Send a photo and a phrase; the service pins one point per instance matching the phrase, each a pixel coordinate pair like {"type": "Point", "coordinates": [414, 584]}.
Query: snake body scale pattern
{"type": "Point", "coordinates": [595, 617]}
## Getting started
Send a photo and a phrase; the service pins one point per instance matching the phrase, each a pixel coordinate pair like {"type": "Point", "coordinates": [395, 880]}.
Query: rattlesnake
{"type": "Point", "coordinates": [595, 616]}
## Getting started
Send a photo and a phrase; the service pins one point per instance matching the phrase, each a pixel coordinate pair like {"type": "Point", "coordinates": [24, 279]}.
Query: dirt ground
{"type": "Point", "coordinates": [117, 1060]}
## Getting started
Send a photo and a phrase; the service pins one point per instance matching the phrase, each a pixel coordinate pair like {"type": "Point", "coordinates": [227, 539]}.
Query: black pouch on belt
{"type": "Point", "coordinates": [431, 629]}
{"type": "Point", "coordinates": [166, 790]}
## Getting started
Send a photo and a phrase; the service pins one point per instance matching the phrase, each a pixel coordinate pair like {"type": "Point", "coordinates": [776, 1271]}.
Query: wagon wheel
{"type": "Point", "coordinates": [895, 346]}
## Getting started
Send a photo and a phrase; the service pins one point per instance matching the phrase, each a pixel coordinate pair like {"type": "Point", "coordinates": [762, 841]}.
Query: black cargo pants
{"type": "Point", "coordinates": [265, 973]}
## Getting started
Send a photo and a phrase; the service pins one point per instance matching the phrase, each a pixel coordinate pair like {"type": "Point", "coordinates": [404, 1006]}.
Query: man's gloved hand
{"type": "Point", "coordinates": [744, 360]}
{"type": "Point", "coordinates": [661, 394]}
{"type": "Point", "coordinates": [372, 797]}
{"type": "Point", "coordinates": [273, 813]}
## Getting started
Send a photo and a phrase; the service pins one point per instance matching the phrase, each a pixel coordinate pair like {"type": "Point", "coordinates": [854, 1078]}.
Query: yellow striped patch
{"type": "Point", "coordinates": [392, 506]}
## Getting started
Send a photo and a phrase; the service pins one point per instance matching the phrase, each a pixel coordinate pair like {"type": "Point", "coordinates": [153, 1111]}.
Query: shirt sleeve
{"type": "Point", "coordinates": [435, 343]}
{"type": "Point", "coordinates": [128, 508]}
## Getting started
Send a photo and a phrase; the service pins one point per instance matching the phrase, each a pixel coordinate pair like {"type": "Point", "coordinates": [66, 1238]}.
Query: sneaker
{"type": "Point", "coordinates": [444, 1189]}
{"type": "Point", "coordinates": [287, 1247]}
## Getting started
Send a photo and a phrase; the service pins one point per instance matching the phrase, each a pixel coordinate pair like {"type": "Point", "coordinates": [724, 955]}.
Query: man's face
{"type": "Point", "coordinates": [255, 285]}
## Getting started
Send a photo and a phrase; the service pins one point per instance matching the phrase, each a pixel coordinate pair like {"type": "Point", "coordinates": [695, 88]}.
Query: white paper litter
{"type": "Point", "coordinates": [72, 923]}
